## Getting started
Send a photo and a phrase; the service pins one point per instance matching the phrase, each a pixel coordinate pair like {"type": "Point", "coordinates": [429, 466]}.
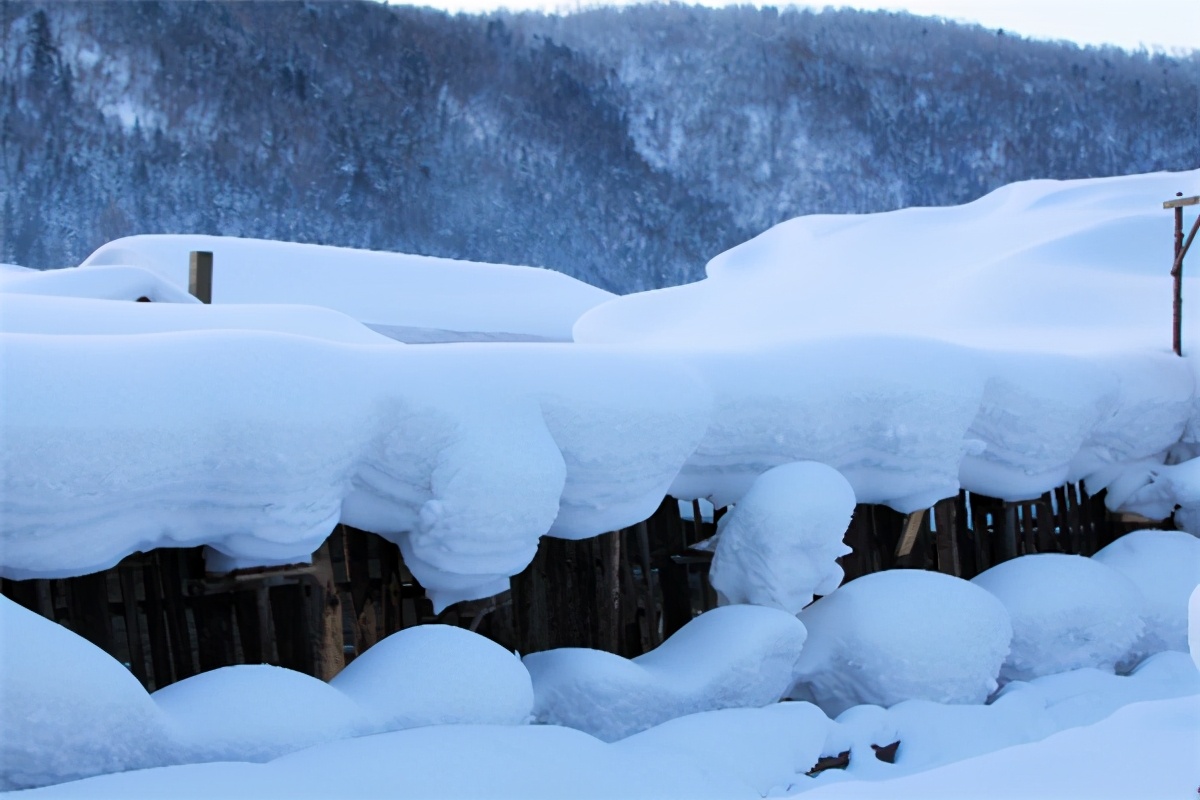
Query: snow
{"type": "Point", "coordinates": [102, 283]}
{"type": "Point", "coordinates": [1143, 750]}
{"type": "Point", "coordinates": [767, 748]}
{"type": "Point", "coordinates": [437, 675]}
{"type": "Point", "coordinates": [1165, 567]}
{"type": "Point", "coordinates": [1194, 626]}
{"type": "Point", "coordinates": [1004, 346]}
{"type": "Point", "coordinates": [256, 712]}
{"type": "Point", "coordinates": [393, 291]}
{"type": "Point", "coordinates": [779, 546]}
{"type": "Point", "coordinates": [730, 657]}
{"type": "Point", "coordinates": [1067, 612]}
{"type": "Point", "coordinates": [258, 442]}
{"type": "Point", "coordinates": [901, 635]}
{"type": "Point", "coordinates": [946, 353]}
{"type": "Point", "coordinates": [69, 710]}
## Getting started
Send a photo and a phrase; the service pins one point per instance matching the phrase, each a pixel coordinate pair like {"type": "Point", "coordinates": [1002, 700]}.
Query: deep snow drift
{"type": "Point", "coordinates": [1067, 612]}
{"type": "Point", "coordinates": [409, 297]}
{"type": "Point", "coordinates": [254, 429]}
{"type": "Point", "coordinates": [902, 635]}
{"type": "Point", "coordinates": [730, 657]}
{"type": "Point", "coordinates": [438, 675]}
{"type": "Point", "coordinates": [69, 710]}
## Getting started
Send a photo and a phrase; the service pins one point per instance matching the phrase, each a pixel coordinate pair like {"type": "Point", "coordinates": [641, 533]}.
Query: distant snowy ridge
{"type": "Point", "coordinates": [255, 429]}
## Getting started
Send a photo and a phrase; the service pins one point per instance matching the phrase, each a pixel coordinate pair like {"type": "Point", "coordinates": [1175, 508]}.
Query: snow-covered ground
{"type": "Point", "coordinates": [1005, 346]}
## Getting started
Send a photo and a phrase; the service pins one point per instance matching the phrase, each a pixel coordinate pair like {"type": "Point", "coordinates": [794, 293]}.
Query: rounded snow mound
{"type": "Point", "coordinates": [438, 675]}
{"type": "Point", "coordinates": [779, 545]}
{"type": "Point", "coordinates": [1068, 612]}
{"type": "Point", "coordinates": [256, 713]}
{"type": "Point", "coordinates": [729, 657]}
{"type": "Point", "coordinates": [902, 635]}
{"type": "Point", "coordinates": [1165, 567]}
{"type": "Point", "coordinates": [1193, 632]}
{"type": "Point", "coordinates": [68, 710]}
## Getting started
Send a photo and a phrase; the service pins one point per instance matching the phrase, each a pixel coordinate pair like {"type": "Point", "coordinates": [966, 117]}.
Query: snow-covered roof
{"type": "Point", "coordinates": [405, 296]}
{"type": "Point", "coordinates": [911, 351]}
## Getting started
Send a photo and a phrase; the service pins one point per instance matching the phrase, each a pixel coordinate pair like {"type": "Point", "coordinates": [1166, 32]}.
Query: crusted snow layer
{"type": "Point", "coordinates": [729, 657]}
{"type": "Point", "coordinates": [767, 748]}
{"type": "Point", "coordinates": [437, 675]}
{"type": "Point", "coordinates": [901, 635]}
{"type": "Point", "coordinates": [69, 710]}
{"type": "Point", "coordinates": [779, 546]}
{"type": "Point", "coordinates": [102, 283]}
{"type": "Point", "coordinates": [387, 289]}
{"type": "Point", "coordinates": [254, 428]}
{"type": "Point", "coordinates": [1045, 297]}
{"type": "Point", "coordinates": [1165, 567]}
{"type": "Point", "coordinates": [1068, 612]}
{"type": "Point", "coordinates": [257, 442]}
{"type": "Point", "coordinates": [256, 712]}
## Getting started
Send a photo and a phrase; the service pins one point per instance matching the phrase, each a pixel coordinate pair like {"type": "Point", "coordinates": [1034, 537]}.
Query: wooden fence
{"type": "Point", "coordinates": [163, 616]}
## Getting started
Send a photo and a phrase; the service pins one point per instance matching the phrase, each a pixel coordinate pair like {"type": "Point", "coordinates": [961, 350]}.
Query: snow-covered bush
{"type": "Point", "coordinates": [256, 713]}
{"type": "Point", "coordinates": [780, 543]}
{"type": "Point", "coordinates": [438, 675]}
{"type": "Point", "coordinates": [729, 657]}
{"type": "Point", "coordinates": [1067, 612]}
{"type": "Point", "coordinates": [69, 710]}
{"type": "Point", "coordinates": [1165, 567]}
{"type": "Point", "coordinates": [902, 635]}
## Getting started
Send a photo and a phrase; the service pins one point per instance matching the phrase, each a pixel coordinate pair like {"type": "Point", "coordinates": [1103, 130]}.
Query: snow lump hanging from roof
{"type": "Point", "coordinates": [780, 543]}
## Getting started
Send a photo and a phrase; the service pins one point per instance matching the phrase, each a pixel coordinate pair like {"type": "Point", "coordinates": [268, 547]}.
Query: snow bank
{"type": "Point", "coordinates": [779, 545]}
{"type": "Point", "coordinates": [102, 283]}
{"type": "Point", "coordinates": [256, 713]}
{"type": "Point", "coordinates": [729, 657]}
{"type": "Point", "coordinates": [466, 762]}
{"type": "Point", "coordinates": [1145, 749]}
{"type": "Point", "coordinates": [75, 316]}
{"type": "Point", "coordinates": [257, 442]}
{"type": "Point", "coordinates": [1165, 567]}
{"type": "Point", "coordinates": [889, 414]}
{"type": "Point", "coordinates": [1021, 389]}
{"type": "Point", "coordinates": [1194, 626]}
{"type": "Point", "coordinates": [395, 292]}
{"type": "Point", "coordinates": [901, 635]}
{"type": "Point", "coordinates": [994, 274]}
{"type": "Point", "coordinates": [1067, 612]}
{"type": "Point", "coordinates": [67, 709]}
{"type": "Point", "coordinates": [437, 675]}
{"type": "Point", "coordinates": [768, 748]}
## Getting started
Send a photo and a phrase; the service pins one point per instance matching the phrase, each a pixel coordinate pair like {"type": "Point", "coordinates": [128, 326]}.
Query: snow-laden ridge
{"type": "Point", "coordinates": [255, 429]}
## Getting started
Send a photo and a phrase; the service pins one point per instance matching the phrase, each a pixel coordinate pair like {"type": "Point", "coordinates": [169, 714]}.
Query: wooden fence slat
{"type": "Point", "coordinates": [945, 517]}
{"type": "Point", "coordinates": [156, 627]}
{"type": "Point", "coordinates": [133, 627]}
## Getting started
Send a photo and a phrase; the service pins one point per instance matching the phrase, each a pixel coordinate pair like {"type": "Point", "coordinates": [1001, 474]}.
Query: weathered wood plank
{"type": "Point", "coordinates": [133, 626]}
{"type": "Point", "coordinates": [945, 514]}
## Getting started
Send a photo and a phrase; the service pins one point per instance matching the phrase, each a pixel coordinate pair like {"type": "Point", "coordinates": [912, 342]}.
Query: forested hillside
{"type": "Point", "coordinates": [622, 147]}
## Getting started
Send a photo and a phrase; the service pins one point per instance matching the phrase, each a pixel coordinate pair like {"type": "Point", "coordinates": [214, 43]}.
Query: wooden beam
{"type": "Point", "coordinates": [912, 527]}
{"type": "Point", "coordinates": [1180, 202]}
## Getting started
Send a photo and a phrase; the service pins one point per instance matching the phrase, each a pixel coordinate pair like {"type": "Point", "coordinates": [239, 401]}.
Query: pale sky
{"type": "Point", "coordinates": [1157, 24]}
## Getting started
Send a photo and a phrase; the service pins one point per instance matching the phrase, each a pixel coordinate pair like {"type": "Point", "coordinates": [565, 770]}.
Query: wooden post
{"type": "Point", "coordinates": [200, 275]}
{"type": "Point", "coordinates": [1181, 249]}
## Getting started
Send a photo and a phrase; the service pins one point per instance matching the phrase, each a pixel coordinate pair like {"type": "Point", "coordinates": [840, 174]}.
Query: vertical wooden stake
{"type": "Point", "coordinates": [200, 276]}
